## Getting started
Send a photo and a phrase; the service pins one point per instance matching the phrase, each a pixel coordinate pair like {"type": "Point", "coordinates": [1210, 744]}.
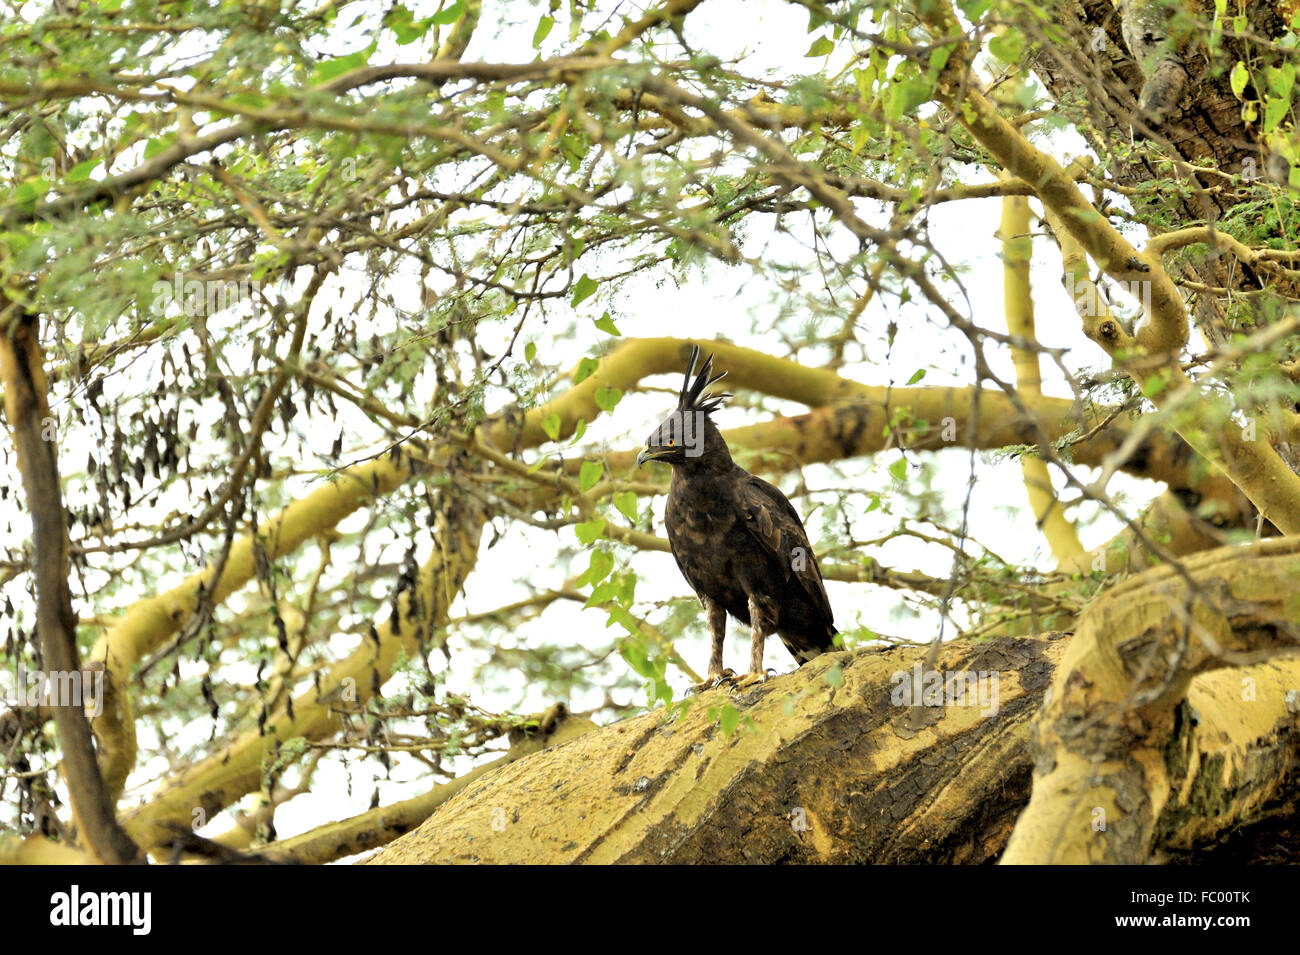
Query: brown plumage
{"type": "Point", "coordinates": [737, 540]}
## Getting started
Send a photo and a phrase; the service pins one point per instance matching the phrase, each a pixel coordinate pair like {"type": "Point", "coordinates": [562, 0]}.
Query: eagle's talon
{"type": "Point", "coordinates": [749, 679]}
{"type": "Point", "coordinates": [713, 681]}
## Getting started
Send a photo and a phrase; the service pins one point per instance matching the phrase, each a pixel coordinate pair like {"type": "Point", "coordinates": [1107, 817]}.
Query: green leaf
{"type": "Point", "coordinates": [579, 429]}
{"type": "Point", "coordinates": [585, 367]}
{"type": "Point", "coordinates": [635, 655]}
{"type": "Point", "coordinates": [625, 501]}
{"type": "Point", "coordinates": [834, 676]}
{"type": "Point", "coordinates": [820, 47]}
{"type": "Point", "coordinates": [1282, 80]}
{"type": "Point", "coordinates": [154, 146]}
{"type": "Point", "coordinates": [907, 96]}
{"type": "Point", "coordinates": [589, 474]}
{"type": "Point", "coordinates": [602, 593]}
{"type": "Point", "coordinates": [663, 693]}
{"type": "Point", "coordinates": [898, 470]}
{"type": "Point", "coordinates": [328, 69]}
{"type": "Point", "coordinates": [619, 615]}
{"type": "Point", "coordinates": [410, 32]}
{"type": "Point", "coordinates": [974, 9]}
{"type": "Point", "coordinates": [583, 289]}
{"type": "Point", "coordinates": [861, 135]}
{"type": "Point", "coordinates": [31, 190]}
{"type": "Point", "coordinates": [588, 531]}
{"type": "Point", "coordinates": [551, 425]}
{"type": "Point", "coordinates": [449, 14]}
{"type": "Point", "coordinates": [405, 27]}
{"type": "Point", "coordinates": [916, 376]}
{"type": "Point", "coordinates": [607, 398]}
{"type": "Point", "coordinates": [729, 719]}
{"type": "Point", "coordinates": [15, 241]}
{"type": "Point", "coordinates": [1238, 78]}
{"type": "Point", "coordinates": [1008, 46]}
{"type": "Point", "coordinates": [1275, 111]}
{"type": "Point", "coordinates": [268, 261]}
{"type": "Point", "coordinates": [82, 170]}
{"type": "Point", "coordinates": [865, 80]}
{"type": "Point", "coordinates": [530, 351]}
{"type": "Point", "coordinates": [543, 29]}
{"type": "Point", "coordinates": [606, 324]}
{"type": "Point", "coordinates": [598, 569]}
{"type": "Point", "coordinates": [939, 59]}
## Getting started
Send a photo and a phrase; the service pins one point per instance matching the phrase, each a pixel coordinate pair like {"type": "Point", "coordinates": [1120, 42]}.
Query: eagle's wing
{"type": "Point", "coordinates": [775, 524]}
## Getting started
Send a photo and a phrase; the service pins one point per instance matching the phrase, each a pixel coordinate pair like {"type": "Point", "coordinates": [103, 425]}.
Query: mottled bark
{"type": "Point", "coordinates": [823, 767]}
{"type": "Point", "coordinates": [1155, 730]}
{"type": "Point", "coordinates": [1137, 761]}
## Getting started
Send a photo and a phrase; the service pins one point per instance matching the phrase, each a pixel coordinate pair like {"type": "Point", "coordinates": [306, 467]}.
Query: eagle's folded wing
{"type": "Point", "coordinates": [775, 525]}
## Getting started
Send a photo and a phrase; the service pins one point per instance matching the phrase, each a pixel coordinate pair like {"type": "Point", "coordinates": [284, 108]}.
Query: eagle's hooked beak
{"type": "Point", "coordinates": [652, 454]}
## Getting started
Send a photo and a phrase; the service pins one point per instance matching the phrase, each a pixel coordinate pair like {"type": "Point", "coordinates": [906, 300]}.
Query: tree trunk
{"type": "Point", "coordinates": [867, 756]}
{"type": "Point", "coordinates": [813, 772]}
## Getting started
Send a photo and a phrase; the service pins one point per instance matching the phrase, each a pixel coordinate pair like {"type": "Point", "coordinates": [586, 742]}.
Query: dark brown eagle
{"type": "Point", "coordinates": [737, 540]}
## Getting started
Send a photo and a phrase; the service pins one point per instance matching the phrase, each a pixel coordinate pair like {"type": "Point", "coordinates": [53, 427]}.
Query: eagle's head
{"type": "Point", "coordinates": [688, 433]}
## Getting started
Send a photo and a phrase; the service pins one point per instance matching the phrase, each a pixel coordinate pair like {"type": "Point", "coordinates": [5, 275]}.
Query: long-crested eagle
{"type": "Point", "coordinates": [737, 540]}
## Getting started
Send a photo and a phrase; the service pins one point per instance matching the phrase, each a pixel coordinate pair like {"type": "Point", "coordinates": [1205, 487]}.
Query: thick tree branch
{"type": "Point", "coordinates": [1018, 304]}
{"type": "Point", "coordinates": [32, 427]}
{"type": "Point", "coordinates": [1253, 465]}
{"type": "Point", "coordinates": [380, 826]}
{"type": "Point", "coordinates": [1115, 779]}
{"type": "Point", "coordinates": [237, 767]}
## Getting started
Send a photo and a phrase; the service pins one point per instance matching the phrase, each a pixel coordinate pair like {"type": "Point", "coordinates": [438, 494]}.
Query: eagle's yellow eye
{"type": "Point", "coordinates": [670, 442]}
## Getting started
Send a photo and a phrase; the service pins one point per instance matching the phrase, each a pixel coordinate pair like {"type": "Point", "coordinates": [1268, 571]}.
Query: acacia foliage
{"type": "Point", "coordinates": [271, 243]}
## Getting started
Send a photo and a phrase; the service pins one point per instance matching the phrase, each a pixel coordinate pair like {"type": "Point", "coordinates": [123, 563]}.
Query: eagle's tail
{"type": "Point", "coordinates": [805, 646]}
